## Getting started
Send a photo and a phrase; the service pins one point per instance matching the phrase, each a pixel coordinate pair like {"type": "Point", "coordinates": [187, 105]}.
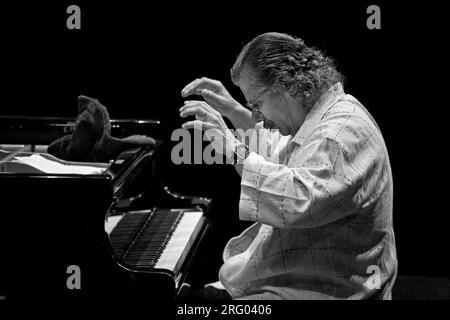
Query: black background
{"type": "Point", "coordinates": [135, 58]}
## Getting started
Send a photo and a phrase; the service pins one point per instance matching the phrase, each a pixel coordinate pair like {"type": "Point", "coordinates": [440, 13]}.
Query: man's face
{"type": "Point", "coordinates": [277, 110]}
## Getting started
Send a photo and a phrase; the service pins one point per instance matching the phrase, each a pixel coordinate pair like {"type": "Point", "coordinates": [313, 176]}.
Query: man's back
{"type": "Point", "coordinates": [324, 220]}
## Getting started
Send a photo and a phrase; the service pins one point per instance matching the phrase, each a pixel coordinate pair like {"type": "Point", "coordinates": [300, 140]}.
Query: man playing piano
{"type": "Point", "coordinates": [322, 200]}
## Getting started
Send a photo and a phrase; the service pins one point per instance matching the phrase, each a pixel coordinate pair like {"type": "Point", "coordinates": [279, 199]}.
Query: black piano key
{"type": "Point", "coordinates": [141, 239]}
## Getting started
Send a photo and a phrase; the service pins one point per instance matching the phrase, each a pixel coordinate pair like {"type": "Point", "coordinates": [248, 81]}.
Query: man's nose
{"type": "Point", "coordinates": [257, 116]}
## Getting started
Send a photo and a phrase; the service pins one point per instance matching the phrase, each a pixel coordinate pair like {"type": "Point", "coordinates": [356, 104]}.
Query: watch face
{"type": "Point", "coordinates": [241, 151]}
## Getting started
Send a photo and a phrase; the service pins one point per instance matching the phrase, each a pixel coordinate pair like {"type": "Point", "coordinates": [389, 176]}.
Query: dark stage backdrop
{"type": "Point", "coordinates": [135, 58]}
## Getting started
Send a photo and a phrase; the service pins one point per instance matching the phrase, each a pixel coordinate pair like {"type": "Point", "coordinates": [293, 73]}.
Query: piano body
{"type": "Point", "coordinates": [129, 235]}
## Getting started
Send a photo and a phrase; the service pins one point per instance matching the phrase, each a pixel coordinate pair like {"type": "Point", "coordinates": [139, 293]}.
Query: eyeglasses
{"type": "Point", "coordinates": [254, 105]}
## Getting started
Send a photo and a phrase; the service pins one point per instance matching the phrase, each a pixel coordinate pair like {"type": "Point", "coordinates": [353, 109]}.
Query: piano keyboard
{"type": "Point", "coordinates": [158, 238]}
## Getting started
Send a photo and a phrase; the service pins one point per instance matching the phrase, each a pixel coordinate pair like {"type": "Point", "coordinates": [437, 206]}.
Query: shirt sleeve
{"type": "Point", "coordinates": [265, 142]}
{"type": "Point", "coordinates": [321, 188]}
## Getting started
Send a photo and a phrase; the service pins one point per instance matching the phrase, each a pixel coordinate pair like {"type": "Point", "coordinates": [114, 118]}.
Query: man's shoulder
{"type": "Point", "coordinates": [347, 106]}
{"type": "Point", "coordinates": [349, 124]}
{"type": "Point", "coordinates": [349, 114]}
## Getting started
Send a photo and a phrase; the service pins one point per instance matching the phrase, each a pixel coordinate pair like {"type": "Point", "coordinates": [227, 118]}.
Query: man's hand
{"type": "Point", "coordinates": [215, 95]}
{"type": "Point", "coordinates": [210, 121]}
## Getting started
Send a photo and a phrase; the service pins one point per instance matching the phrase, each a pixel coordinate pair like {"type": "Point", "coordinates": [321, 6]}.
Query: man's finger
{"type": "Point", "coordinates": [188, 87]}
{"type": "Point", "coordinates": [192, 112]}
{"type": "Point", "coordinates": [190, 104]}
{"type": "Point", "coordinates": [197, 85]}
{"type": "Point", "coordinates": [208, 94]}
{"type": "Point", "coordinates": [197, 124]}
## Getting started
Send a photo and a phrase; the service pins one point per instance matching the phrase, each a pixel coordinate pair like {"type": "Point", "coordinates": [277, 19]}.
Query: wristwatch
{"type": "Point", "coordinates": [241, 153]}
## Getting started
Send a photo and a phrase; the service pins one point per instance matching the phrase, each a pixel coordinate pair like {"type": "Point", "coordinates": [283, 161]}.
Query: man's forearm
{"type": "Point", "coordinates": [240, 117]}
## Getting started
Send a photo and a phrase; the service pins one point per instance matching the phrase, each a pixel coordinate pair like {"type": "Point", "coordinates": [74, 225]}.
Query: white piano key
{"type": "Point", "coordinates": [112, 222]}
{"type": "Point", "coordinates": [181, 239]}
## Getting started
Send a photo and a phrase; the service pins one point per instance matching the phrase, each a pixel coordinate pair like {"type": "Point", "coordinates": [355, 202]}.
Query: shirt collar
{"type": "Point", "coordinates": [320, 107]}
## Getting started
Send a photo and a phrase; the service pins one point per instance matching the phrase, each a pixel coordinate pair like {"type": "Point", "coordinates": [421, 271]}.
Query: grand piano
{"type": "Point", "coordinates": [117, 233]}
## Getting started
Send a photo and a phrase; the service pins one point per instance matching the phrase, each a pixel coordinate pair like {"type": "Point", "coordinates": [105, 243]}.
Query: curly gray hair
{"type": "Point", "coordinates": [284, 60]}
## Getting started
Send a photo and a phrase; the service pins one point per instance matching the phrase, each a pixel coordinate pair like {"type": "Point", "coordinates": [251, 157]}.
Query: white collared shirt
{"type": "Point", "coordinates": [323, 212]}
